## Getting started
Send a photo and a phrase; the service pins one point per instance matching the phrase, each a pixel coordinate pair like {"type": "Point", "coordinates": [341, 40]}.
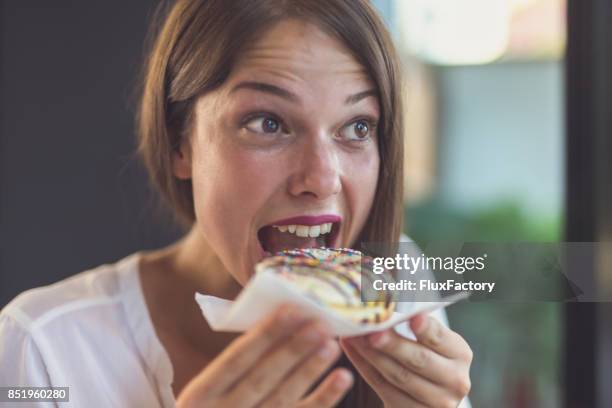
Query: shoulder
{"type": "Point", "coordinates": [405, 238]}
{"type": "Point", "coordinates": [91, 289]}
{"type": "Point", "coordinates": [93, 322]}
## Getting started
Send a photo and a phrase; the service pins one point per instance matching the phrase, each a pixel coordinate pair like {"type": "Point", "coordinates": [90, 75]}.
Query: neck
{"type": "Point", "coordinates": [195, 263]}
{"type": "Point", "coordinates": [170, 277]}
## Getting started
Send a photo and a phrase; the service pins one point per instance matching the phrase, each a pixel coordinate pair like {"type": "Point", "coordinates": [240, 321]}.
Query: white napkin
{"type": "Point", "coordinates": [266, 291]}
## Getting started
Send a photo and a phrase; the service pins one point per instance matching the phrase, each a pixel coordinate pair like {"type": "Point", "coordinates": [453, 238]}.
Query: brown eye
{"type": "Point", "coordinates": [263, 124]}
{"type": "Point", "coordinates": [359, 131]}
{"type": "Point", "coordinates": [270, 125]}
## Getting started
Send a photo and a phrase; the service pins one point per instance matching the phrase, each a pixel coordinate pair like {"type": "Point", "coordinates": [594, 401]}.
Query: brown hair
{"type": "Point", "coordinates": [194, 46]}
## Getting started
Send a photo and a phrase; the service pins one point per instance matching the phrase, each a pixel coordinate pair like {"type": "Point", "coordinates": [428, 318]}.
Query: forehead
{"type": "Point", "coordinates": [300, 53]}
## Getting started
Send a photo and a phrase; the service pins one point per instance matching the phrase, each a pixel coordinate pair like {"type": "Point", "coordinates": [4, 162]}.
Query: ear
{"type": "Point", "coordinates": [181, 161]}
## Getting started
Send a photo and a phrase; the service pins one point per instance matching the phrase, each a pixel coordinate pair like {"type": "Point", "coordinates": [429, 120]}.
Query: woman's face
{"type": "Point", "coordinates": [284, 154]}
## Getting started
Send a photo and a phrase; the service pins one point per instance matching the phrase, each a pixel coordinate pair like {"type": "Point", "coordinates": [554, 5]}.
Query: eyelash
{"type": "Point", "coordinates": [370, 121]}
{"type": "Point", "coordinates": [263, 115]}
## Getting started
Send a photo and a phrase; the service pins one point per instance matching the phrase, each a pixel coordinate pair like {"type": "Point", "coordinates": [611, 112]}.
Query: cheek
{"type": "Point", "coordinates": [361, 180]}
{"type": "Point", "coordinates": [230, 185]}
{"type": "Point", "coordinates": [364, 177]}
{"type": "Point", "coordinates": [370, 175]}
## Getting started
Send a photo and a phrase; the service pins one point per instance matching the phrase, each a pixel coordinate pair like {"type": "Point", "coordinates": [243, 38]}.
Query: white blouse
{"type": "Point", "coordinates": [91, 332]}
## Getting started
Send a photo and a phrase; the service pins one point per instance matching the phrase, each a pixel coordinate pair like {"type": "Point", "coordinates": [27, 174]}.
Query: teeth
{"type": "Point", "coordinates": [304, 231]}
{"type": "Point", "coordinates": [314, 231]}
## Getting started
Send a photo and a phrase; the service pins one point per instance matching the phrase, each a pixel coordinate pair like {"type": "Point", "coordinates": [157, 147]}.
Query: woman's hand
{"type": "Point", "coordinates": [272, 365]}
{"type": "Point", "coordinates": [433, 371]}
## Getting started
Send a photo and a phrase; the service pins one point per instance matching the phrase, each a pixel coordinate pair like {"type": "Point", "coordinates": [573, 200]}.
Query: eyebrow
{"type": "Point", "coordinates": [285, 94]}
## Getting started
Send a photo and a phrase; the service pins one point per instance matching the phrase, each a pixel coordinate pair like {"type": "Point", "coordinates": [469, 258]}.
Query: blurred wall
{"type": "Point", "coordinates": [72, 196]}
{"type": "Point", "coordinates": [501, 128]}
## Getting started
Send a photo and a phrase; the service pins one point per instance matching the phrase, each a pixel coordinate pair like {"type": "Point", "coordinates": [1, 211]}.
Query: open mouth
{"type": "Point", "coordinates": [303, 233]}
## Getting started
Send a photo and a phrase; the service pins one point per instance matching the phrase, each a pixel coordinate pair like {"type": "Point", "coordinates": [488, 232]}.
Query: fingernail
{"type": "Point", "coordinates": [343, 379]}
{"type": "Point", "coordinates": [356, 341]}
{"type": "Point", "coordinates": [291, 316]}
{"type": "Point", "coordinates": [313, 334]}
{"type": "Point", "coordinates": [417, 323]}
{"type": "Point", "coordinates": [379, 339]}
{"type": "Point", "coordinates": [328, 351]}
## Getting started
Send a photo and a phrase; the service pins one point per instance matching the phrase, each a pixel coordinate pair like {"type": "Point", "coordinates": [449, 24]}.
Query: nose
{"type": "Point", "coordinates": [317, 170]}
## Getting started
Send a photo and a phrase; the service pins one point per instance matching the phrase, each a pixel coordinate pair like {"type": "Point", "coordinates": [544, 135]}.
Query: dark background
{"type": "Point", "coordinates": [72, 193]}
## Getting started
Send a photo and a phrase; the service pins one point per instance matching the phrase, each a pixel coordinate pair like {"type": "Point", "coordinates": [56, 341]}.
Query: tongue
{"type": "Point", "coordinates": [274, 241]}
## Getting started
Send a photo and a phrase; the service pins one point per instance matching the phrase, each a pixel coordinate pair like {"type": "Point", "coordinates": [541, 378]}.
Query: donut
{"type": "Point", "coordinates": [332, 278]}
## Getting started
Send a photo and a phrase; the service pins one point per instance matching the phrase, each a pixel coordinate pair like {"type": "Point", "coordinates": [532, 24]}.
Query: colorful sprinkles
{"type": "Point", "coordinates": [339, 268]}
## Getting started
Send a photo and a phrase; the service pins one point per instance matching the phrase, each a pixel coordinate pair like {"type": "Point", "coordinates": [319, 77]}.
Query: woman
{"type": "Point", "coordinates": [254, 114]}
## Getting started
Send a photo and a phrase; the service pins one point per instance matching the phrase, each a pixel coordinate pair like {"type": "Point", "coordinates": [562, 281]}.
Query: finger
{"type": "Point", "coordinates": [390, 394]}
{"type": "Point", "coordinates": [414, 356]}
{"type": "Point", "coordinates": [451, 374]}
{"type": "Point", "coordinates": [402, 377]}
{"type": "Point", "coordinates": [436, 336]}
{"type": "Point", "coordinates": [266, 375]}
{"type": "Point", "coordinates": [245, 351]}
{"type": "Point", "coordinates": [298, 382]}
{"type": "Point", "coordinates": [330, 391]}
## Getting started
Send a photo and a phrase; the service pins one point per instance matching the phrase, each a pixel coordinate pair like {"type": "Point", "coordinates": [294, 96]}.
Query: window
{"type": "Point", "coordinates": [485, 162]}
